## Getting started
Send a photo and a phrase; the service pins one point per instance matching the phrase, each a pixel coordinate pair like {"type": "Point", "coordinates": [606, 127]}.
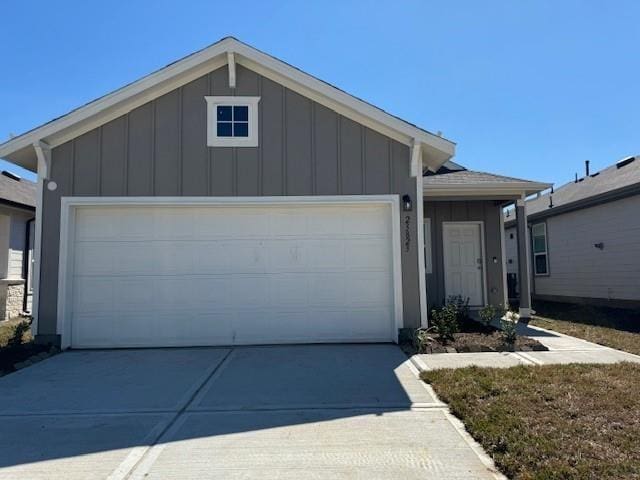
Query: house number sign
{"type": "Point", "coordinates": [407, 233]}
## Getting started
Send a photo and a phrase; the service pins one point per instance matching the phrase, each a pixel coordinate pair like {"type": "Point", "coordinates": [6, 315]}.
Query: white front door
{"type": "Point", "coordinates": [172, 275]}
{"type": "Point", "coordinates": [463, 262]}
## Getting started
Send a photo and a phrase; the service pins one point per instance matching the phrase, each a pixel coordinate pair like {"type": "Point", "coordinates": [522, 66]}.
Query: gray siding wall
{"type": "Point", "coordinates": [159, 149]}
{"type": "Point", "coordinates": [458, 211]}
{"type": "Point", "coordinates": [511, 249]}
{"type": "Point", "coordinates": [578, 269]}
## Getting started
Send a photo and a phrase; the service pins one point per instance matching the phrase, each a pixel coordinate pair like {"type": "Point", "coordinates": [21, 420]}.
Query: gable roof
{"type": "Point", "coordinates": [613, 182]}
{"type": "Point", "coordinates": [19, 150]}
{"type": "Point", "coordinates": [461, 180]}
{"type": "Point", "coordinates": [18, 192]}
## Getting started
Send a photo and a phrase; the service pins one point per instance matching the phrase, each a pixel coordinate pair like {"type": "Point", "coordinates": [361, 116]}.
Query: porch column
{"type": "Point", "coordinates": [523, 260]}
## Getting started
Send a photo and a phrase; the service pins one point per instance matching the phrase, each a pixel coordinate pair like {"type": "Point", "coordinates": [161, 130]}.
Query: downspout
{"type": "Point", "coordinates": [26, 264]}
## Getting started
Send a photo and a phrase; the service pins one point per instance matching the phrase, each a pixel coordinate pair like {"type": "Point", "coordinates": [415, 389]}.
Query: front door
{"type": "Point", "coordinates": [463, 262]}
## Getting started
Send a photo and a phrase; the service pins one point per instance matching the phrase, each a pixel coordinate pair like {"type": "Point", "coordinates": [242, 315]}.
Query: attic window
{"type": "Point", "coordinates": [232, 121]}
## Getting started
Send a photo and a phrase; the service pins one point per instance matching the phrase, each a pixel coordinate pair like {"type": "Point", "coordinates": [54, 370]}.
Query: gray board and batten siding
{"type": "Point", "coordinates": [487, 211]}
{"type": "Point", "coordinates": [160, 149]}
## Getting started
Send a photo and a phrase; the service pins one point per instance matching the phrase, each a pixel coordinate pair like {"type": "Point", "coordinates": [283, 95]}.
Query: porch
{"type": "Point", "coordinates": [464, 245]}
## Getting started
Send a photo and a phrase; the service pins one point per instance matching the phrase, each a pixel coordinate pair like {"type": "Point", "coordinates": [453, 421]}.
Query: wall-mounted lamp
{"type": "Point", "coordinates": [407, 205]}
{"type": "Point", "coordinates": [599, 245]}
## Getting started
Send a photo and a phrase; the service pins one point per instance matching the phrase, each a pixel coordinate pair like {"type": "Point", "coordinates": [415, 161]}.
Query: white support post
{"type": "Point", "coordinates": [231, 61]}
{"type": "Point", "coordinates": [43, 153]}
{"type": "Point", "coordinates": [416, 171]}
{"type": "Point", "coordinates": [524, 259]}
{"type": "Point", "coordinates": [503, 259]}
{"type": "Point", "coordinates": [416, 159]}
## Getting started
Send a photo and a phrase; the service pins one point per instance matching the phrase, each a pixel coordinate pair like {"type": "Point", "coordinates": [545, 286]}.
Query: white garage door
{"type": "Point", "coordinates": [230, 274]}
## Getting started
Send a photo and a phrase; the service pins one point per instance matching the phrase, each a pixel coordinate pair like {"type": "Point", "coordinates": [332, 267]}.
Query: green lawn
{"type": "Point", "coordinates": [550, 422]}
{"type": "Point", "coordinates": [616, 328]}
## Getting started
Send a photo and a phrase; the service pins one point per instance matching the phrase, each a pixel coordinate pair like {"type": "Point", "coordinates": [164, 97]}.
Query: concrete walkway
{"type": "Point", "coordinates": [288, 412]}
{"type": "Point", "coordinates": [562, 349]}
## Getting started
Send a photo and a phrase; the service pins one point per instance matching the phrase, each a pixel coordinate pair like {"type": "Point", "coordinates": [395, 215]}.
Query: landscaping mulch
{"type": "Point", "coordinates": [550, 422]}
{"type": "Point", "coordinates": [484, 342]}
{"type": "Point", "coordinates": [476, 337]}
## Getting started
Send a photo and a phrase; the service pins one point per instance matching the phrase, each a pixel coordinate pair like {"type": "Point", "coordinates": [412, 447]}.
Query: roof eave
{"type": "Point", "coordinates": [485, 188]}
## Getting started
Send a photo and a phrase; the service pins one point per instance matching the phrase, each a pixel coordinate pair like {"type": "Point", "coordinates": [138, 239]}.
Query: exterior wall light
{"type": "Point", "coordinates": [599, 245]}
{"type": "Point", "coordinates": [407, 205]}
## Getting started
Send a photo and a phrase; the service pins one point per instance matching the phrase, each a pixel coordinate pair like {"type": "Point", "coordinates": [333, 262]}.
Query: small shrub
{"type": "Point", "coordinates": [488, 314]}
{"type": "Point", "coordinates": [461, 306]}
{"type": "Point", "coordinates": [445, 322]}
{"type": "Point", "coordinates": [422, 339]}
{"type": "Point", "coordinates": [17, 336]}
{"type": "Point", "coordinates": [509, 324]}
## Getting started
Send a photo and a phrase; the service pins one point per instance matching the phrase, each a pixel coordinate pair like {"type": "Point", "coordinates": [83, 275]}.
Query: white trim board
{"type": "Point", "coordinates": [436, 150]}
{"type": "Point", "coordinates": [67, 229]}
{"type": "Point", "coordinates": [483, 252]}
{"type": "Point", "coordinates": [517, 189]}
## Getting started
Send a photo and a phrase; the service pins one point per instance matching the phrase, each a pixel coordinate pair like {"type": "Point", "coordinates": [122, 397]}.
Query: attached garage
{"type": "Point", "coordinates": [181, 272]}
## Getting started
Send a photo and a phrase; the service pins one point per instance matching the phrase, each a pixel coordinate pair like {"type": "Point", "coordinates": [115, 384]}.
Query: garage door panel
{"type": "Point", "coordinates": [173, 224]}
{"type": "Point", "coordinates": [368, 288]}
{"type": "Point", "coordinates": [289, 290]}
{"type": "Point", "coordinates": [249, 291]}
{"type": "Point", "coordinates": [213, 292]}
{"type": "Point", "coordinates": [132, 258]}
{"type": "Point", "coordinates": [132, 294]}
{"type": "Point", "coordinates": [221, 275]}
{"type": "Point", "coordinates": [325, 223]}
{"type": "Point", "coordinates": [366, 221]}
{"type": "Point", "coordinates": [328, 289]}
{"type": "Point", "coordinates": [288, 222]}
{"type": "Point", "coordinates": [94, 295]}
{"type": "Point", "coordinates": [329, 254]}
{"type": "Point", "coordinates": [367, 254]}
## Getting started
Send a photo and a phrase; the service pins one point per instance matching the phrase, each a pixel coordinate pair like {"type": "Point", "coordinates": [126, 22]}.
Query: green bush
{"type": "Point", "coordinates": [490, 313]}
{"type": "Point", "coordinates": [460, 305]}
{"type": "Point", "coordinates": [444, 322]}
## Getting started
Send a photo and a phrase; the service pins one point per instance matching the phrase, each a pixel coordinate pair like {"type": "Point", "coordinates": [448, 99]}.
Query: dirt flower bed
{"type": "Point", "coordinates": [483, 342]}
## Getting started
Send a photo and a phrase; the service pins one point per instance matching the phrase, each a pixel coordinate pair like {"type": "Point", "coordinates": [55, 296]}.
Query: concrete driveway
{"type": "Point", "coordinates": [335, 411]}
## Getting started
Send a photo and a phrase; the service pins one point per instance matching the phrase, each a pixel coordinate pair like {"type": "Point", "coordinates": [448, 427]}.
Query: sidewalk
{"type": "Point", "coordinates": [562, 349]}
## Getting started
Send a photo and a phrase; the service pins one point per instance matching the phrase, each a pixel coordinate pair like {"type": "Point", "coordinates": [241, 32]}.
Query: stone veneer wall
{"type": "Point", "coordinates": [11, 298]}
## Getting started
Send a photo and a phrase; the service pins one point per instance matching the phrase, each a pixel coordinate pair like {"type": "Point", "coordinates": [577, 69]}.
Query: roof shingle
{"type": "Point", "coordinates": [20, 191]}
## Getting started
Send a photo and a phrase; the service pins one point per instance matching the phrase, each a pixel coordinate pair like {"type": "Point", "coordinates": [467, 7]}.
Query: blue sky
{"type": "Point", "coordinates": [525, 88]}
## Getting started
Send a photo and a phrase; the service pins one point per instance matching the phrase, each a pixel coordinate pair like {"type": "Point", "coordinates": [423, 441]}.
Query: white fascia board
{"type": "Point", "coordinates": [501, 188]}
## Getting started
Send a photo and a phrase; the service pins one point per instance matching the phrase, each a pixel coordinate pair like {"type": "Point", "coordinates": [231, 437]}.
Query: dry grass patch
{"type": "Point", "coordinates": [615, 328]}
{"type": "Point", "coordinates": [551, 422]}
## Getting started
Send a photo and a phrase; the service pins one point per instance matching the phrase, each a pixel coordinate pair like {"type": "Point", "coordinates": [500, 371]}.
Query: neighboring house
{"type": "Point", "coordinates": [17, 214]}
{"type": "Point", "coordinates": [230, 198]}
{"type": "Point", "coordinates": [585, 239]}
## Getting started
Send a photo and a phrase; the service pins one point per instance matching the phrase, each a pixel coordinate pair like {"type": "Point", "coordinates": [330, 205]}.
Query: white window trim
{"type": "Point", "coordinates": [545, 253]}
{"type": "Point", "coordinates": [68, 206]}
{"type": "Point", "coordinates": [212, 137]}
